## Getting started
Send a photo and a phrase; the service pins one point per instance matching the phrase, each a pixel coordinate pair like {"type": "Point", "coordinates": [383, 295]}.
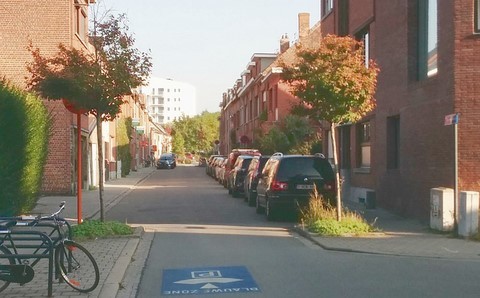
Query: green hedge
{"type": "Point", "coordinates": [24, 129]}
{"type": "Point", "coordinates": [124, 132]}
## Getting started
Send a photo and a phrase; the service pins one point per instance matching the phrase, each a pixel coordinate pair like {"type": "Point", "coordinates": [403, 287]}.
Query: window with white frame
{"type": "Point", "coordinates": [327, 6]}
{"type": "Point", "coordinates": [364, 145]}
{"type": "Point", "coordinates": [81, 23]}
{"type": "Point", "coordinates": [364, 37]}
{"type": "Point", "coordinates": [428, 38]}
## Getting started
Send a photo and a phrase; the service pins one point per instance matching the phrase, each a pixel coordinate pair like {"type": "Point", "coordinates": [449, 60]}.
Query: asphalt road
{"type": "Point", "coordinates": [206, 242]}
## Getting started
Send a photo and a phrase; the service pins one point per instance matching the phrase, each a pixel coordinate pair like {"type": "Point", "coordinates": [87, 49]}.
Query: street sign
{"type": "Point", "coordinates": [209, 280]}
{"type": "Point", "coordinates": [451, 119]}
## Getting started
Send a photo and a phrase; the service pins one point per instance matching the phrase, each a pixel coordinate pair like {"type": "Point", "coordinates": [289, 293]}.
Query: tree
{"type": "Point", "coordinates": [195, 134]}
{"type": "Point", "coordinates": [95, 82]}
{"type": "Point", "coordinates": [293, 135]}
{"type": "Point", "coordinates": [334, 84]}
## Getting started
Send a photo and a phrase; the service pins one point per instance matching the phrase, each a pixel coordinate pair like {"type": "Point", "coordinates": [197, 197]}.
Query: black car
{"type": "Point", "coordinates": [251, 179]}
{"type": "Point", "coordinates": [167, 161]}
{"type": "Point", "coordinates": [237, 174]}
{"type": "Point", "coordinates": [287, 181]}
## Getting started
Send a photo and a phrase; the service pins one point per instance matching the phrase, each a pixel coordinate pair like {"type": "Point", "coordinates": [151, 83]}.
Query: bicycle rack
{"type": "Point", "coordinates": [40, 242]}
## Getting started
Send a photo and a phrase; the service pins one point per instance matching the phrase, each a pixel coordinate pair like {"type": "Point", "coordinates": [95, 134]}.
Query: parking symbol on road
{"type": "Point", "coordinates": [210, 280]}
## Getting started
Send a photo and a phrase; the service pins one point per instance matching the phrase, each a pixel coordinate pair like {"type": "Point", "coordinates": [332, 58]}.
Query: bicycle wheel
{"type": "Point", "coordinates": [77, 266]}
{"type": "Point", "coordinates": [5, 261]}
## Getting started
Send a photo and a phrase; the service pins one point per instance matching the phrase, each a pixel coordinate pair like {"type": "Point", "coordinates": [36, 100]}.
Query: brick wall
{"type": "Point", "coordinates": [426, 145]}
{"type": "Point", "coordinates": [44, 24]}
{"type": "Point", "coordinates": [467, 93]}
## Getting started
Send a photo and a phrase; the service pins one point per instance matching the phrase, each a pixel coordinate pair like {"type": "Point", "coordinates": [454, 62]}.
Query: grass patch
{"type": "Point", "coordinates": [321, 218]}
{"type": "Point", "coordinates": [91, 229]}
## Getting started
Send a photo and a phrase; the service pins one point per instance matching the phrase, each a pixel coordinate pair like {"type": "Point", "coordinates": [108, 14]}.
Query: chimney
{"type": "Point", "coordinates": [284, 43]}
{"type": "Point", "coordinates": [303, 25]}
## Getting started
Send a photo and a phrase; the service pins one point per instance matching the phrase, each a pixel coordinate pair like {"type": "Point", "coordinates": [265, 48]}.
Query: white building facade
{"type": "Point", "coordinates": [168, 100]}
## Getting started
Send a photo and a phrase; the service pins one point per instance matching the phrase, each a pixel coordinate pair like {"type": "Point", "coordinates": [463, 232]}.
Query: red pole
{"type": "Point", "coordinates": [79, 168]}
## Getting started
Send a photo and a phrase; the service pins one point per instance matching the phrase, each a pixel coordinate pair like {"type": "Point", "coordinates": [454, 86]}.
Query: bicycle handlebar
{"type": "Point", "coordinates": [35, 219]}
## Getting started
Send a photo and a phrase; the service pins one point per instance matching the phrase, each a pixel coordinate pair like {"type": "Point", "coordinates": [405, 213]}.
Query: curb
{"type": "Point", "coordinates": [310, 237]}
{"type": "Point", "coordinates": [113, 283]}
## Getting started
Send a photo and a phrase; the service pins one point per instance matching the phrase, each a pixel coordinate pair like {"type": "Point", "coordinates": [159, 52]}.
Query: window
{"type": "Point", "coordinates": [327, 6]}
{"type": "Point", "coordinates": [477, 16]}
{"type": "Point", "coordinates": [393, 142]}
{"type": "Point", "coordinates": [364, 37]}
{"type": "Point", "coordinates": [364, 144]}
{"type": "Point", "coordinates": [428, 38]}
{"type": "Point", "coordinates": [81, 23]}
{"type": "Point", "coordinates": [343, 17]}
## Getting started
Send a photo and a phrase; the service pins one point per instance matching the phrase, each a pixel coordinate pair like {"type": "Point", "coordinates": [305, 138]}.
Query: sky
{"type": "Point", "coordinates": [208, 43]}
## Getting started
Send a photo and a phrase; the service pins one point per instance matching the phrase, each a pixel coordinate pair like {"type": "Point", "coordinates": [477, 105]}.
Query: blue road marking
{"type": "Point", "coordinates": [209, 280]}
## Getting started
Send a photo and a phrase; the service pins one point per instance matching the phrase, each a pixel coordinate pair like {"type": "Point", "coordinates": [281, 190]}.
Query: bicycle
{"type": "Point", "coordinates": [74, 264]}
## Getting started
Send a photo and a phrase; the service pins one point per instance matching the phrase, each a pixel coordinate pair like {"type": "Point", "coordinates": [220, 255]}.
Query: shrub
{"type": "Point", "coordinates": [91, 229]}
{"type": "Point", "coordinates": [24, 126]}
{"type": "Point", "coordinates": [124, 132]}
{"type": "Point", "coordinates": [320, 217]}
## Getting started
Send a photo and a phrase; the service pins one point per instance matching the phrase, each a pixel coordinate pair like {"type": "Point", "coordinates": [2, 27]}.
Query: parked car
{"type": "Point", "coordinates": [238, 173]}
{"type": "Point", "coordinates": [287, 181]}
{"type": "Point", "coordinates": [209, 169]}
{"type": "Point", "coordinates": [166, 161]}
{"type": "Point", "coordinates": [217, 166]}
{"type": "Point", "coordinates": [232, 158]}
{"type": "Point", "coordinates": [251, 179]}
{"type": "Point", "coordinates": [221, 172]}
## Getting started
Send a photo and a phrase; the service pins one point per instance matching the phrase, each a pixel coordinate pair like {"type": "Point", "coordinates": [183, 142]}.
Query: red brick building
{"type": "Point", "coordinates": [427, 52]}
{"type": "Point", "coordinates": [259, 98]}
{"type": "Point", "coordinates": [45, 24]}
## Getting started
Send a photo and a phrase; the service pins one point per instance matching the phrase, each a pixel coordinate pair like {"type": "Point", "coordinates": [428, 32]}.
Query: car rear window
{"type": "Point", "coordinates": [305, 166]}
{"type": "Point", "coordinates": [246, 163]}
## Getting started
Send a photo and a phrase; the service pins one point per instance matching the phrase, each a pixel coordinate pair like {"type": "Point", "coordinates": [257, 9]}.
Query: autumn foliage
{"type": "Point", "coordinates": [332, 80]}
{"type": "Point", "coordinates": [335, 83]}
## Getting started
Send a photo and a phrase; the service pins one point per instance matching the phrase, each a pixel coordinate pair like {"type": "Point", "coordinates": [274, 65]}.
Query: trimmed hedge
{"type": "Point", "coordinates": [24, 129]}
{"type": "Point", "coordinates": [124, 132]}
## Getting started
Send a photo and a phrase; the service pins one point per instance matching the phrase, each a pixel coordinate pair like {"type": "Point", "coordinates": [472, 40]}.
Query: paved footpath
{"type": "Point", "coordinates": [121, 259]}
{"type": "Point", "coordinates": [399, 236]}
{"type": "Point", "coordinates": [113, 255]}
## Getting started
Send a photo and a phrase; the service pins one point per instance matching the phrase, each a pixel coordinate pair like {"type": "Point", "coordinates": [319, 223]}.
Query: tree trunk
{"type": "Point", "coordinates": [337, 173]}
{"type": "Point", "coordinates": [101, 165]}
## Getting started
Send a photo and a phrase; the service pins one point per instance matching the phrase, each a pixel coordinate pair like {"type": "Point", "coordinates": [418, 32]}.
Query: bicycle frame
{"type": "Point", "coordinates": [16, 239]}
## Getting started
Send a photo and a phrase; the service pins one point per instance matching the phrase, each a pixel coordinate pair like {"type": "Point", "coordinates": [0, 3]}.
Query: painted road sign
{"type": "Point", "coordinates": [210, 280]}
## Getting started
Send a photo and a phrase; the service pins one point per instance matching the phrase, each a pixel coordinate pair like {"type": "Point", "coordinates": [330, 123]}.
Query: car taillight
{"type": "Point", "coordinates": [329, 185]}
{"type": "Point", "coordinates": [278, 186]}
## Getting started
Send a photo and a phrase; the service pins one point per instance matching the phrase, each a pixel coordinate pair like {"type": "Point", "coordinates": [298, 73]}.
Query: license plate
{"type": "Point", "coordinates": [304, 186]}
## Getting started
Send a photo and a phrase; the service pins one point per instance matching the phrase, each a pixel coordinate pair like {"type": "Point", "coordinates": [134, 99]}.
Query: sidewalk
{"type": "Point", "coordinates": [399, 236]}
{"type": "Point", "coordinates": [113, 255]}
